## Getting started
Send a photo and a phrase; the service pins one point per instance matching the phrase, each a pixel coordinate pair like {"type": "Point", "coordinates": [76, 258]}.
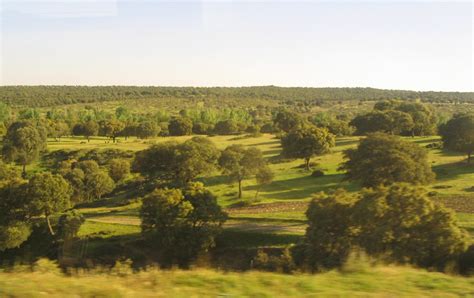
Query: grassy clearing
{"type": "Point", "coordinates": [362, 282]}
{"type": "Point", "coordinates": [280, 220]}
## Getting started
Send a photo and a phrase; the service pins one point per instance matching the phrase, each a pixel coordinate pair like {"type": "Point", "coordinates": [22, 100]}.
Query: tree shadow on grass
{"type": "Point", "coordinates": [303, 187]}
{"type": "Point", "coordinates": [452, 170]}
{"type": "Point", "coordinates": [427, 141]}
{"type": "Point", "coordinates": [274, 142]}
{"type": "Point", "coordinates": [233, 238]}
{"type": "Point", "coordinates": [345, 142]}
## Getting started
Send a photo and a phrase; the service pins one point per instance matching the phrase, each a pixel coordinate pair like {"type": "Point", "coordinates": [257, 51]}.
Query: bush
{"type": "Point", "coordinates": [69, 224]}
{"type": "Point", "coordinates": [399, 223]}
{"type": "Point", "coordinates": [181, 225]}
{"type": "Point", "coordinates": [317, 173]}
{"type": "Point", "coordinates": [180, 127]}
{"type": "Point", "coordinates": [282, 263]}
{"type": "Point", "coordinates": [382, 159]}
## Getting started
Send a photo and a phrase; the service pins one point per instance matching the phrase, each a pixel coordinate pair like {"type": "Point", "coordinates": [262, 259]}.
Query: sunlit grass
{"type": "Point", "coordinates": [374, 282]}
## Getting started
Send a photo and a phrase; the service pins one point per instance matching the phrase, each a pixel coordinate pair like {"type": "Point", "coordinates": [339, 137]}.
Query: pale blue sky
{"type": "Point", "coordinates": [417, 45]}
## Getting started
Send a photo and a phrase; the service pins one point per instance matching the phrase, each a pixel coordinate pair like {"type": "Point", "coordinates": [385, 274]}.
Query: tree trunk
{"type": "Point", "coordinates": [49, 225]}
{"type": "Point", "coordinates": [307, 163]}
{"type": "Point", "coordinates": [23, 173]}
{"type": "Point", "coordinates": [88, 139]}
{"type": "Point", "coordinates": [256, 193]}
{"type": "Point", "coordinates": [240, 189]}
{"type": "Point", "coordinates": [469, 157]}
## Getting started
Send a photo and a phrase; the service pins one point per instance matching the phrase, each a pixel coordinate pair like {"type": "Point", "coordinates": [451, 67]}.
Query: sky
{"type": "Point", "coordinates": [411, 45]}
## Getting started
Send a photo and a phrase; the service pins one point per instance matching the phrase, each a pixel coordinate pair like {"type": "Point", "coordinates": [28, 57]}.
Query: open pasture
{"type": "Point", "coordinates": [279, 208]}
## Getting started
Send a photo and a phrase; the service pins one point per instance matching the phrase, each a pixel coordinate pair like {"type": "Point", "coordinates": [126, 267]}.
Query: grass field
{"type": "Point", "coordinates": [280, 206]}
{"type": "Point", "coordinates": [356, 281]}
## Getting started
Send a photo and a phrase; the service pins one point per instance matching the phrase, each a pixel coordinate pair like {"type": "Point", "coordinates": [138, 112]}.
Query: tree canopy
{"type": "Point", "coordinates": [382, 159]}
{"type": "Point", "coordinates": [306, 143]}
{"type": "Point", "coordinates": [458, 134]}
{"type": "Point", "coordinates": [241, 163]}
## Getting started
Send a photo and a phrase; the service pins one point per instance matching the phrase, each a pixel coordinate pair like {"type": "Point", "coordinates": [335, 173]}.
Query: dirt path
{"type": "Point", "coordinates": [270, 207]}
{"type": "Point", "coordinates": [244, 224]}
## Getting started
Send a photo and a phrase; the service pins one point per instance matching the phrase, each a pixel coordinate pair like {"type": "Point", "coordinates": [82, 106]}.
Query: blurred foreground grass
{"type": "Point", "coordinates": [379, 281]}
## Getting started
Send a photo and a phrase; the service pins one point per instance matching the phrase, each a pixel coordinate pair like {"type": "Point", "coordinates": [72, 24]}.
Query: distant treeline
{"type": "Point", "coordinates": [44, 96]}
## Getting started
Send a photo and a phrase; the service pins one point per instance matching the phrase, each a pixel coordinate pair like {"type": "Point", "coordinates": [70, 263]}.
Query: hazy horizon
{"type": "Point", "coordinates": [418, 45]}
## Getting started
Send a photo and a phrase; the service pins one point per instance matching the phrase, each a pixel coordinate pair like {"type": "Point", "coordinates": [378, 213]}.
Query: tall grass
{"type": "Point", "coordinates": [359, 280]}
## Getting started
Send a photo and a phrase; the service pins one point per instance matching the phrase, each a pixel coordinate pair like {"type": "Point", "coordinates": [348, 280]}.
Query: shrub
{"type": "Point", "coordinates": [382, 159]}
{"type": "Point", "coordinates": [317, 173]}
{"type": "Point", "coordinates": [399, 223]}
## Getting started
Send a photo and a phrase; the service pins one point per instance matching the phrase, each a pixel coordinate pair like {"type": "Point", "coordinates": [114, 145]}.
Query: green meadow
{"type": "Point", "coordinates": [277, 213]}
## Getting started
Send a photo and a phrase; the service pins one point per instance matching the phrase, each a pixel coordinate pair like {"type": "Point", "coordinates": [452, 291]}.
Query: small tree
{"type": "Point", "coordinates": [119, 169]}
{"type": "Point", "coordinates": [14, 212]}
{"type": "Point", "coordinates": [147, 129]}
{"type": "Point", "coordinates": [264, 176]}
{"type": "Point", "coordinates": [69, 224]}
{"type": "Point", "coordinates": [195, 157]}
{"type": "Point", "coordinates": [23, 144]}
{"type": "Point", "coordinates": [49, 194]}
{"type": "Point", "coordinates": [111, 128]}
{"type": "Point", "coordinates": [226, 127]}
{"type": "Point", "coordinates": [458, 134]}
{"type": "Point", "coordinates": [97, 184]}
{"type": "Point", "coordinates": [181, 225]}
{"type": "Point", "coordinates": [156, 161]}
{"type": "Point", "coordinates": [306, 143]}
{"type": "Point", "coordinates": [241, 163]}
{"type": "Point", "coordinates": [385, 159]}
{"type": "Point", "coordinates": [286, 121]}
{"type": "Point", "coordinates": [180, 127]}
{"type": "Point", "coordinates": [89, 129]}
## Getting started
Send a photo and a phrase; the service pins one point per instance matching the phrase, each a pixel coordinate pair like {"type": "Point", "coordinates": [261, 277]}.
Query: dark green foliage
{"type": "Point", "coordinates": [306, 143]}
{"type": "Point", "coordinates": [264, 176]}
{"type": "Point", "coordinates": [48, 194]}
{"type": "Point", "coordinates": [14, 234]}
{"type": "Point", "coordinates": [181, 225]}
{"type": "Point", "coordinates": [391, 121]}
{"type": "Point", "coordinates": [317, 173]}
{"type": "Point", "coordinates": [58, 95]}
{"type": "Point", "coordinates": [23, 143]}
{"type": "Point", "coordinates": [286, 121]}
{"type": "Point", "coordinates": [275, 263]}
{"type": "Point", "coordinates": [385, 159]}
{"type": "Point", "coordinates": [180, 127]}
{"type": "Point", "coordinates": [156, 161]}
{"type": "Point", "coordinates": [87, 129]}
{"type": "Point", "coordinates": [200, 128]}
{"type": "Point", "coordinates": [399, 223]}
{"type": "Point", "coordinates": [404, 224]}
{"type": "Point", "coordinates": [458, 134]}
{"type": "Point", "coordinates": [89, 182]}
{"type": "Point", "coordinates": [240, 163]}
{"type": "Point", "coordinates": [69, 224]}
{"type": "Point", "coordinates": [195, 157]}
{"type": "Point", "coordinates": [226, 127]}
{"type": "Point", "coordinates": [330, 232]}
{"type": "Point", "coordinates": [334, 125]}
{"type": "Point", "coordinates": [397, 117]}
{"type": "Point", "coordinates": [119, 169]}
{"type": "Point", "coordinates": [111, 128]}
{"type": "Point", "coordinates": [147, 129]}
{"type": "Point", "coordinates": [267, 128]}
{"type": "Point", "coordinates": [178, 162]}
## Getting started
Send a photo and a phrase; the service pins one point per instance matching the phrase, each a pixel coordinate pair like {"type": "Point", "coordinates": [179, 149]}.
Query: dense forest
{"type": "Point", "coordinates": [44, 96]}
